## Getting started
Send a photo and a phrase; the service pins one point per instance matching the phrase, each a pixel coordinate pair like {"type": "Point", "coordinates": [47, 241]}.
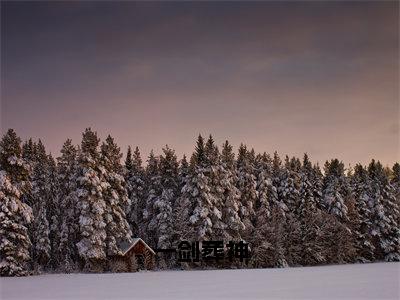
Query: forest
{"type": "Point", "coordinates": [69, 213]}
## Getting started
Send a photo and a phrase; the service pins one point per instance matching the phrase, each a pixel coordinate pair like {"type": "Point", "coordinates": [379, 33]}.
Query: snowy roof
{"type": "Point", "coordinates": [126, 246]}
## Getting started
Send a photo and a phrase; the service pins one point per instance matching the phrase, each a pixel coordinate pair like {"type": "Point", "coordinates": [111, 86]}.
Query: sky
{"type": "Point", "coordinates": [295, 77]}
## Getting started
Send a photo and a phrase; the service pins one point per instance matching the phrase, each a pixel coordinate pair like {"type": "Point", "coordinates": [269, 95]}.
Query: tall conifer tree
{"type": "Point", "coordinates": [91, 187]}
{"type": "Point", "coordinates": [69, 227]}
{"type": "Point", "coordinates": [115, 197]}
{"type": "Point", "coordinates": [15, 216]}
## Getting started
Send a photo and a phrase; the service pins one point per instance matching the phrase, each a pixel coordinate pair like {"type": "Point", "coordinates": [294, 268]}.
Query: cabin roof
{"type": "Point", "coordinates": [125, 246]}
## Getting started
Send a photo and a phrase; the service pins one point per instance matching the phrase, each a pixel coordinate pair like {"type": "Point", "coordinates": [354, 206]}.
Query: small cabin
{"type": "Point", "coordinates": [134, 256]}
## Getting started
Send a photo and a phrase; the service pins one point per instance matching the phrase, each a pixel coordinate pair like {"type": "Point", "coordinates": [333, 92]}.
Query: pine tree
{"type": "Point", "coordinates": [307, 190]}
{"type": "Point", "coordinates": [15, 216]}
{"type": "Point", "coordinates": [197, 192]}
{"type": "Point", "coordinates": [310, 216]}
{"type": "Point", "coordinates": [265, 189]}
{"type": "Point", "coordinates": [316, 180]}
{"type": "Point", "coordinates": [289, 194]}
{"type": "Point", "coordinates": [216, 180]}
{"type": "Point", "coordinates": [269, 250]}
{"type": "Point", "coordinates": [115, 197]}
{"type": "Point", "coordinates": [163, 205]}
{"type": "Point", "coordinates": [154, 190]}
{"type": "Point", "coordinates": [69, 224]}
{"type": "Point", "coordinates": [182, 205]}
{"type": "Point", "coordinates": [89, 193]}
{"type": "Point", "coordinates": [362, 225]}
{"type": "Point", "coordinates": [11, 161]}
{"type": "Point", "coordinates": [335, 189]}
{"type": "Point", "coordinates": [199, 156]}
{"type": "Point", "coordinates": [395, 181]}
{"type": "Point", "coordinates": [338, 242]}
{"type": "Point", "coordinates": [41, 199]}
{"type": "Point", "coordinates": [247, 186]}
{"type": "Point", "coordinates": [28, 151]}
{"type": "Point", "coordinates": [385, 212]}
{"type": "Point", "coordinates": [288, 190]}
{"type": "Point", "coordinates": [263, 209]}
{"type": "Point", "coordinates": [134, 177]}
{"type": "Point", "coordinates": [55, 213]}
{"type": "Point", "coordinates": [231, 195]}
{"type": "Point", "coordinates": [183, 172]}
{"type": "Point", "coordinates": [41, 239]}
{"type": "Point", "coordinates": [128, 160]}
{"type": "Point", "coordinates": [277, 174]}
{"type": "Point", "coordinates": [396, 177]}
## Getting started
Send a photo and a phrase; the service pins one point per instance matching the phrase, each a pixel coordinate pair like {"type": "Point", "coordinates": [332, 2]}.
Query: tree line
{"type": "Point", "coordinates": [69, 214]}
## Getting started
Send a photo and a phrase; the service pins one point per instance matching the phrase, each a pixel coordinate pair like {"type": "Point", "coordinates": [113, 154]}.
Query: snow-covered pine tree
{"type": "Point", "coordinates": [263, 221]}
{"type": "Point", "coordinates": [316, 179]}
{"type": "Point", "coordinates": [11, 161]}
{"type": "Point", "coordinates": [265, 189]}
{"type": "Point", "coordinates": [269, 250]}
{"type": "Point", "coordinates": [385, 212]}
{"type": "Point", "coordinates": [395, 181]}
{"type": "Point", "coordinates": [247, 186]}
{"type": "Point", "coordinates": [28, 155]}
{"type": "Point", "coordinates": [41, 199]}
{"type": "Point", "coordinates": [362, 225]}
{"type": "Point", "coordinates": [115, 197]}
{"type": "Point", "coordinates": [28, 151]}
{"type": "Point", "coordinates": [54, 211]}
{"type": "Point", "coordinates": [182, 205]}
{"type": "Point", "coordinates": [127, 170]}
{"type": "Point", "coordinates": [289, 194]}
{"type": "Point", "coordinates": [309, 217]}
{"type": "Point", "coordinates": [252, 157]}
{"type": "Point", "coordinates": [163, 206]}
{"type": "Point", "coordinates": [15, 216]}
{"type": "Point", "coordinates": [153, 191]}
{"type": "Point", "coordinates": [135, 179]}
{"type": "Point", "coordinates": [66, 169]}
{"type": "Point", "coordinates": [89, 193]}
{"type": "Point", "coordinates": [228, 157]}
{"type": "Point", "coordinates": [337, 198]}
{"type": "Point", "coordinates": [198, 192]}
{"type": "Point", "coordinates": [277, 174]}
{"type": "Point", "coordinates": [289, 189]}
{"type": "Point", "coordinates": [335, 189]}
{"type": "Point", "coordinates": [183, 172]}
{"type": "Point", "coordinates": [231, 195]}
{"type": "Point", "coordinates": [41, 241]}
{"type": "Point", "coordinates": [307, 189]}
{"type": "Point", "coordinates": [128, 160]}
{"type": "Point", "coordinates": [216, 176]}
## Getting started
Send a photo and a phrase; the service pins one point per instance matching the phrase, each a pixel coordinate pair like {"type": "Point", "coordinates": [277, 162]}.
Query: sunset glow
{"type": "Point", "coordinates": [294, 77]}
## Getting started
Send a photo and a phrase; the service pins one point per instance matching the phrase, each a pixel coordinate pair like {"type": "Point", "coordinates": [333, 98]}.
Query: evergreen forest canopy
{"type": "Point", "coordinates": [68, 214]}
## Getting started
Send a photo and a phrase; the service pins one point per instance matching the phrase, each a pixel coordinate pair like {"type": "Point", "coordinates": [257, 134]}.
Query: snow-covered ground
{"type": "Point", "coordinates": [367, 281]}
